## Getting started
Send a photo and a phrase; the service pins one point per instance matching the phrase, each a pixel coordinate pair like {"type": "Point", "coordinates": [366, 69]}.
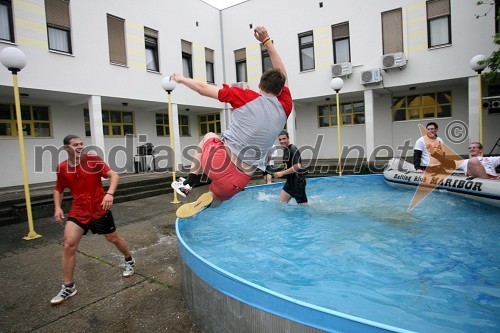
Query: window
{"type": "Point", "coordinates": [392, 31]}
{"type": "Point", "coordinates": [58, 25]}
{"type": "Point", "coordinates": [35, 121]}
{"type": "Point", "coordinates": [6, 21]}
{"type": "Point", "coordinates": [352, 113]}
{"type": "Point", "coordinates": [240, 57]}
{"type": "Point", "coordinates": [266, 59]}
{"type": "Point", "coordinates": [432, 105]}
{"type": "Point", "coordinates": [438, 22]}
{"type": "Point", "coordinates": [497, 12]}
{"type": "Point", "coordinates": [209, 65]}
{"type": "Point", "coordinates": [209, 123]}
{"type": "Point", "coordinates": [116, 40]}
{"type": "Point", "coordinates": [341, 48]}
{"type": "Point", "coordinates": [162, 125]}
{"type": "Point", "coordinates": [114, 123]}
{"type": "Point", "coordinates": [151, 45]}
{"type": "Point", "coordinates": [306, 46]}
{"type": "Point", "coordinates": [493, 105]}
{"type": "Point", "coordinates": [187, 59]}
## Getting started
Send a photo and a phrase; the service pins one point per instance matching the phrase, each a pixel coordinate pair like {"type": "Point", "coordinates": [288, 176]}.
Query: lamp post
{"type": "Point", "coordinates": [337, 84]}
{"type": "Point", "coordinates": [168, 85]}
{"type": "Point", "coordinates": [478, 68]}
{"type": "Point", "coordinates": [15, 60]}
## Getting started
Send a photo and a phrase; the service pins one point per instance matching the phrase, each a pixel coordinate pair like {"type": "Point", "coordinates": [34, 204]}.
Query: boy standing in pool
{"type": "Point", "coordinates": [295, 185]}
{"type": "Point", "coordinates": [258, 117]}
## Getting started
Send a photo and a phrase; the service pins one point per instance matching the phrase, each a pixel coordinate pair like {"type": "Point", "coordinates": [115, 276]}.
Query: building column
{"type": "Point", "coordinates": [95, 115]}
{"type": "Point", "coordinates": [177, 138]}
{"type": "Point", "coordinates": [290, 127]}
{"type": "Point", "coordinates": [474, 109]}
{"type": "Point", "coordinates": [369, 125]}
{"type": "Point", "coordinates": [225, 119]}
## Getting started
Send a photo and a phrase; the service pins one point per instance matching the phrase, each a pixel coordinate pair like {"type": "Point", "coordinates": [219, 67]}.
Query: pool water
{"type": "Point", "coordinates": [357, 250]}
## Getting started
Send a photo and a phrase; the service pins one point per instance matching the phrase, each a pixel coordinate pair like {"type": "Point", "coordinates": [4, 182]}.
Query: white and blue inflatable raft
{"type": "Point", "coordinates": [399, 173]}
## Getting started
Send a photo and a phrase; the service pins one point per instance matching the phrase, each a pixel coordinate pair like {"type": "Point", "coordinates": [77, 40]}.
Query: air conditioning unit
{"type": "Point", "coordinates": [491, 104]}
{"type": "Point", "coordinates": [394, 60]}
{"type": "Point", "coordinates": [242, 84]}
{"type": "Point", "coordinates": [342, 69]}
{"type": "Point", "coordinates": [371, 76]}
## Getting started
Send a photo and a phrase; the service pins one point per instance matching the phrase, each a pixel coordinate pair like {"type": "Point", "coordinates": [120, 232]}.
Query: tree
{"type": "Point", "coordinates": [493, 61]}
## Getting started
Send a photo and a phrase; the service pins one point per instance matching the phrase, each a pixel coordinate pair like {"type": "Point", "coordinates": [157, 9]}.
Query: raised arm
{"type": "Point", "coordinates": [262, 36]}
{"type": "Point", "coordinates": [200, 87]}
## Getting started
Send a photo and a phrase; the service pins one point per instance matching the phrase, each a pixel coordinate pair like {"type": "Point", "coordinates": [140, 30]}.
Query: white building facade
{"type": "Point", "coordinates": [94, 69]}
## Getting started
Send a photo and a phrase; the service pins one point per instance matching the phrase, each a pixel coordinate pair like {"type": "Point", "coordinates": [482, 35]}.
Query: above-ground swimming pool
{"type": "Point", "coordinates": [353, 261]}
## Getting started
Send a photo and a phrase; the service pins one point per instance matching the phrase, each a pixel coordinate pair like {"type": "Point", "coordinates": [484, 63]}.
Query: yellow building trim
{"type": "Point", "coordinates": [254, 79]}
{"type": "Point", "coordinates": [199, 47]}
{"type": "Point", "coordinates": [416, 6]}
{"type": "Point", "coordinates": [323, 53]}
{"type": "Point", "coordinates": [135, 26]}
{"type": "Point", "coordinates": [253, 48]}
{"type": "Point", "coordinates": [200, 68]}
{"type": "Point", "coordinates": [137, 64]}
{"type": "Point", "coordinates": [29, 7]}
{"type": "Point", "coordinates": [322, 42]}
{"type": "Point", "coordinates": [321, 30]}
{"type": "Point", "coordinates": [417, 20]}
{"type": "Point", "coordinates": [200, 77]}
{"type": "Point", "coordinates": [417, 33]}
{"type": "Point", "coordinates": [38, 26]}
{"type": "Point", "coordinates": [32, 42]}
{"type": "Point", "coordinates": [135, 38]}
{"type": "Point", "coordinates": [417, 47]}
{"type": "Point", "coordinates": [253, 58]}
{"type": "Point", "coordinates": [136, 51]}
{"type": "Point", "coordinates": [198, 57]}
{"type": "Point", "coordinates": [324, 64]}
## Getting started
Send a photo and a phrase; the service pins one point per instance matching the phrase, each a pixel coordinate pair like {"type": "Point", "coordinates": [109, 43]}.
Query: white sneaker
{"type": "Point", "coordinates": [129, 268]}
{"type": "Point", "coordinates": [178, 183]}
{"type": "Point", "coordinates": [180, 188]}
{"type": "Point", "coordinates": [63, 295]}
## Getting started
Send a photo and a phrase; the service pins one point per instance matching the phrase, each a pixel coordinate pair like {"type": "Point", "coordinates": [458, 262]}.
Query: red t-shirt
{"type": "Point", "coordinates": [84, 182]}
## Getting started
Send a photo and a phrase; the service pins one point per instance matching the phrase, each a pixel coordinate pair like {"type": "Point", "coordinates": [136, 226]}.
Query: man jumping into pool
{"type": "Point", "coordinates": [258, 118]}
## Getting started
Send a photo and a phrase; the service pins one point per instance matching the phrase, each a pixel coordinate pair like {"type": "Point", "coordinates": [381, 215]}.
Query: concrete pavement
{"type": "Point", "coordinates": [149, 301]}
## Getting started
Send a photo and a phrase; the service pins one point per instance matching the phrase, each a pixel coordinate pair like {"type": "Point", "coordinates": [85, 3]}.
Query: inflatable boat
{"type": "Point", "coordinates": [399, 173]}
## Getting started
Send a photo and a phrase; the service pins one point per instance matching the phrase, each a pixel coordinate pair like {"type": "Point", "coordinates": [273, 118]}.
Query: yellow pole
{"type": "Point", "coordinates": [32, 234]}
{"type": "Point", "coordinates": [480, 109]}
{"type": "Point", "coordinates": [170, 129]}
{"type": "Point", "coordinates": [339, 122]}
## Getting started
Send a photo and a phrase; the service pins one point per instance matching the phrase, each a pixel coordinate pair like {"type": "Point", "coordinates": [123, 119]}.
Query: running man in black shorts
{"type": "Point", "coordinates": [295, 186]}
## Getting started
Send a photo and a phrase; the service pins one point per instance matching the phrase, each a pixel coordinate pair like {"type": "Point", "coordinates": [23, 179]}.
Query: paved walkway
{"type": "Point", "coordinates": [149, 301]}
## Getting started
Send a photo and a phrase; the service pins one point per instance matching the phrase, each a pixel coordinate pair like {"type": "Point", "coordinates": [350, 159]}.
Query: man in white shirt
{"type": "Point", "coordinates": [478, 165]}
{"type": "Point", "coordinates": [425, 146]}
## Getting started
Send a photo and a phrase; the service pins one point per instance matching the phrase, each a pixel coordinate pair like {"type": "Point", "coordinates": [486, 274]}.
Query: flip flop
{"type": "Point", "coordinates": [193, 208]}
